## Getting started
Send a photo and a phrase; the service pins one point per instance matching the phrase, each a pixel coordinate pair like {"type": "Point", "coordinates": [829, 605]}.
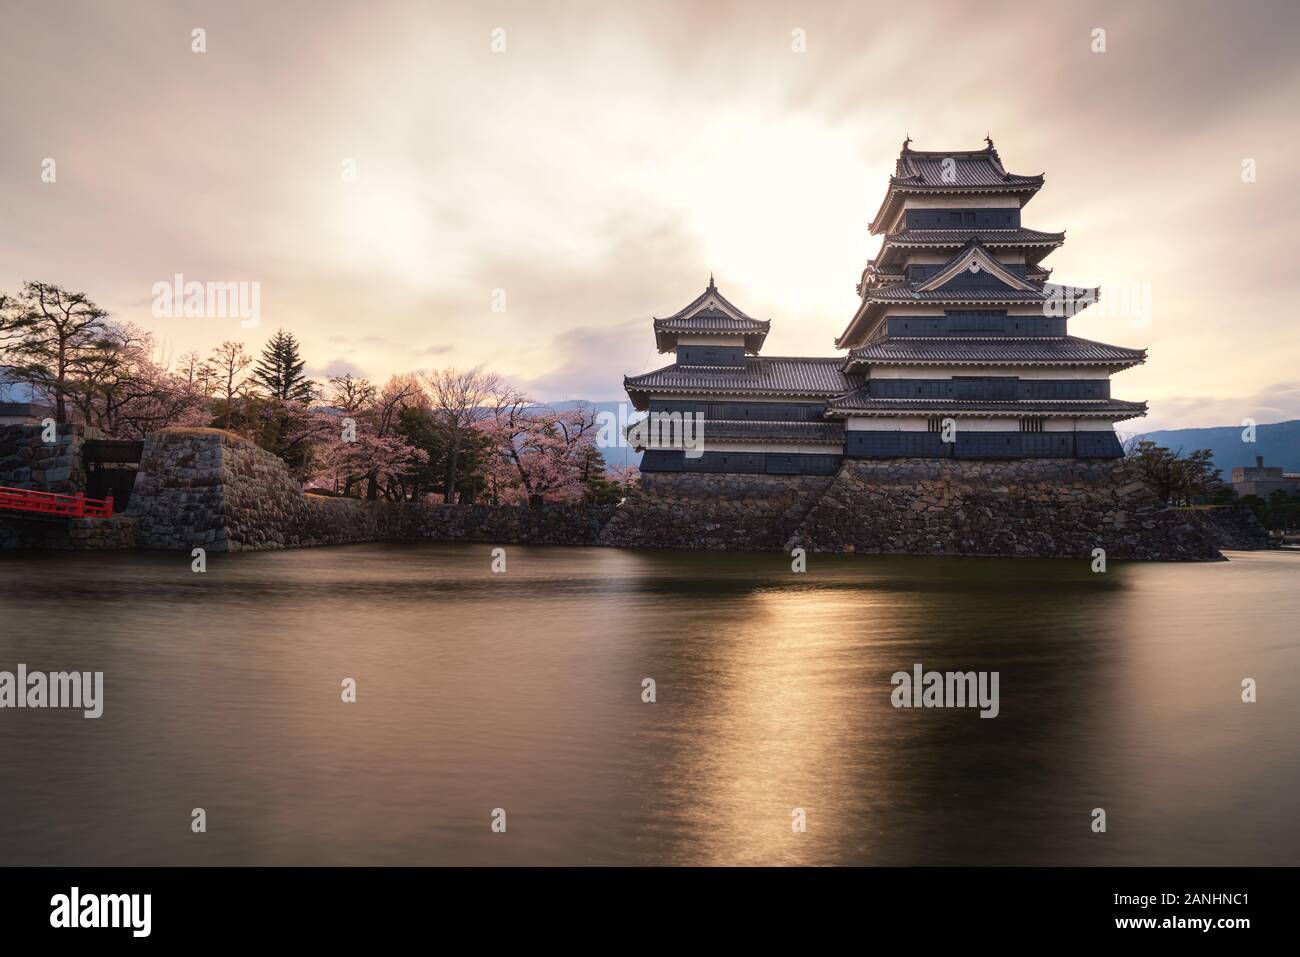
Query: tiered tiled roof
{"type": "Point", "coordinates": [710, 313]}
{"type": "Point", "coordinates": [1073, 295]}
{"type": "Point", "coordinates": [860, 402]}
{"type": "Point", "coordinates": [1002, 350]}
{"type": "Point", "coordinates": [712, 320]}
{"type": "Point", "coordinates": [760, 376]}
{"type": "Point", "coordinates": [1035, 243]}
{"type": "Point", "coordinates": [938, 171]}
{"type": "Point", "coordinates": [969, 169]}
{"type": "Point", "coordinates": [1003, 289]}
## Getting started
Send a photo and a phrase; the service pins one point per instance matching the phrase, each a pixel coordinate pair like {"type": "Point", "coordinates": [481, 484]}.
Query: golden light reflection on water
{"type": "Point", "coordinates": [523, 691]}
{"type": "Point", "coordinates": [782, 731]}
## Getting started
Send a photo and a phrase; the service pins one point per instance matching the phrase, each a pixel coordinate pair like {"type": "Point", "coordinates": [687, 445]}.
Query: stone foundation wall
{"type": "Point", "coordinates": [28, 462]}
{"type": "Point", "coordinates": [94, 534]}
{"type": "Point", "coordinates": [205, 487]}
{"type": "Point", "coordinates": [704, 510]}
{"type": "Point", "coordinates": [178, 497]}
{"type": "Point", "coordinates": [1235, 528]}
{"type": "Point", "coordinates": [1042, 508]}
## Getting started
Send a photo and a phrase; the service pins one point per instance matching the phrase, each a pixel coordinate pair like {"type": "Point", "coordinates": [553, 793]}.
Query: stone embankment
{"type": "Point", "coordinates": [724, 512]}
{"type": "Point", "coordinates": [1042, 508]}
{"type": "Point", "coordinates": [1051, 508]}
{"type": "Point", "coordinates": [209, 488]}
{"type": "Point", "coordinates": [28, 461]}
{"type": "Point", "coordinates": [205, 487]}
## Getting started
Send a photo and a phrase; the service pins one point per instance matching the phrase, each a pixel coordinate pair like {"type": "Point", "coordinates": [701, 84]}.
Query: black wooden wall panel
{"type": "Point", "coordinates": [711, 355]}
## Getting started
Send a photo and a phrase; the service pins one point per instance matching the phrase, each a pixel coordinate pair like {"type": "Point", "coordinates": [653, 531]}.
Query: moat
{"type": "Point", "coordinates": [523, 691]}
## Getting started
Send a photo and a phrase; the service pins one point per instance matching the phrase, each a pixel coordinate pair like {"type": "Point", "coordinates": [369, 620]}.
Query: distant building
{"type": "Point", "coordinates": [18, 405]}
{"type": "Point", "coordinates": [1263, 480]}
{"type": "Point", "coordinates": [24, 413]}
{"type": "Point", "coordinates": [958, 348]}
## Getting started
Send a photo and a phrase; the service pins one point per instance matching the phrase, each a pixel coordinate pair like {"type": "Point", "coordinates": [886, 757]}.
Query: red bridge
{"type": "Point", "coordinates": [57, 506]}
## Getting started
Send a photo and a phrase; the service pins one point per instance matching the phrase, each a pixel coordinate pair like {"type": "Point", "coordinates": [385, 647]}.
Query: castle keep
{"type": "Point", "coordinates": [960, 417]}
{"type": "Point", "coordinates": [959, 347]}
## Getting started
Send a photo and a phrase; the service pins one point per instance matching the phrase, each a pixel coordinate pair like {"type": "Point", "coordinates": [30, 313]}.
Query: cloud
{"type": "Point", "coordinates": [597, 172]}
{"type": "Point", "coordinates": [336, 368]}
{"type": "Point", "coordinates": [1276, 403]}
{"type": "Point", "coordinates": [591, 353]}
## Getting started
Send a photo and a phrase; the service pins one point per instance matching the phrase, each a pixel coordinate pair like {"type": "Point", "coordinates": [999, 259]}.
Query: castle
{"type": "Point", "coordinates": [958, 349]}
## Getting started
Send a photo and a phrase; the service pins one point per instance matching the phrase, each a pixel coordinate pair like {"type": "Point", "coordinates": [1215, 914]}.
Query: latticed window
{"type": "Point", "coordinates": [934, 424]}
{"type": "Point", "coordinates": [1031, 425]}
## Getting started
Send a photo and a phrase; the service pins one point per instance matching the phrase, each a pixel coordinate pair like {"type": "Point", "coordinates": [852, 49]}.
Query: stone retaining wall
{"type": "Point", "coordinates": [1043, 508]}
{"type": "Point", "coordinates": [704, 510]}
{"type": "Point", "coordinates": [206, 487]}
{"type": "Point", "coordinates": [214, 489]}
{"type": "Point", "coordinates": [26, 461]}
{"type": "Point", "coordinates": [93, 534]}
{"type": "Point", "coordinates": [1235, 528]}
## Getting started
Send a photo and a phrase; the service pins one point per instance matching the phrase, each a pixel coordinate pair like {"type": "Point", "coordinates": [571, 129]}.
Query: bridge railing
{"type": "Point", "coordinates": [52, 503]}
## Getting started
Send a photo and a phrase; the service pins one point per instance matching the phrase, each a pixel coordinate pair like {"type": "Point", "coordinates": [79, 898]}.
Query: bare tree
{"type": "Point", "coordinates": [188, 367]}
{"type": "Point", "coordinates": [350, 395]}
{"type": "Point", "coordinates": [198, 375]}
{"type": "Point", "coordinates": [229, 361]}
{"type": "Point", "coordinates": [460, 399]}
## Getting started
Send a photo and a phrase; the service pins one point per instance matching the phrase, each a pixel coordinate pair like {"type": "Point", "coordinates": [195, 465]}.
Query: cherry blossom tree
{"type": "Point", "coordinates": [114, 383]}
{"type": "Point", "coordinates": [363, 444]}
{"type": "Point", "coordinates": [540, 454]}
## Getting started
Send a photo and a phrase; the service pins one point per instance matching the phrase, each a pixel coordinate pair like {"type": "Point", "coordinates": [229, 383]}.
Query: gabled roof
{"type": "Point", "coordinates": [947, 171]}
{"type": "Point", "coordinates": [860, 402]}
{"type": "Point", "coordinates": [974, 258]}
{"type": "Point", "coordinates": [1056, 350]}
{"type": "Point", "coordinates": [1055, 300]}
{"type": "Point", "coordinates": [811, 378]}
{"type": "Point", "coordinates": [710, 313]}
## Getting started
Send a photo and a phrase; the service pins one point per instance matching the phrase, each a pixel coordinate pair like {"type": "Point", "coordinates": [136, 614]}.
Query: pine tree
{"type": "Point", "coordinates": [280, 370]}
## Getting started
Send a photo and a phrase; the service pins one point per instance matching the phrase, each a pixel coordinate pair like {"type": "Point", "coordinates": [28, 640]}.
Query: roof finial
{"type": "Point", "coordinates": [989, 140]}
{"type": "Point", "coordinates": [906, 141]}
{"type": "Point", "coordinates": [711, 286]}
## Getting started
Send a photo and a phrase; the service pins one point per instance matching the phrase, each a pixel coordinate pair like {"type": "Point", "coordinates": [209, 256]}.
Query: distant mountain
{"type": "Point", "coordinates": [1278, 442]}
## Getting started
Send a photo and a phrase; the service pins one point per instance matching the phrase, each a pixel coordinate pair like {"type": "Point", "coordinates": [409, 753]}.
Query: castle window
{"type": "Point", "coordinates": [934, 424]}
{"type": "Point", "coordinates": [1031, 425]}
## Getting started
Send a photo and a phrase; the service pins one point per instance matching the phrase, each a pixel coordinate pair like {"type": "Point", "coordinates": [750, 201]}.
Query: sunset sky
{"type": "Point", "coordinates": [614, 155]}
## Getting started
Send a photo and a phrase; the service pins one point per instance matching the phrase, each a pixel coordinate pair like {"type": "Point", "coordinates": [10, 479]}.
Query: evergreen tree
{"type": "Point", "coordinates": [44, 333]}
{"type": "Point", "coordinates": [280, 370]}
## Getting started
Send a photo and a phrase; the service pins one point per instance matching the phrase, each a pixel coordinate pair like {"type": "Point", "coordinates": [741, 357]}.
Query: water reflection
{"type": "Point", "coordinates": [523, 691]}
